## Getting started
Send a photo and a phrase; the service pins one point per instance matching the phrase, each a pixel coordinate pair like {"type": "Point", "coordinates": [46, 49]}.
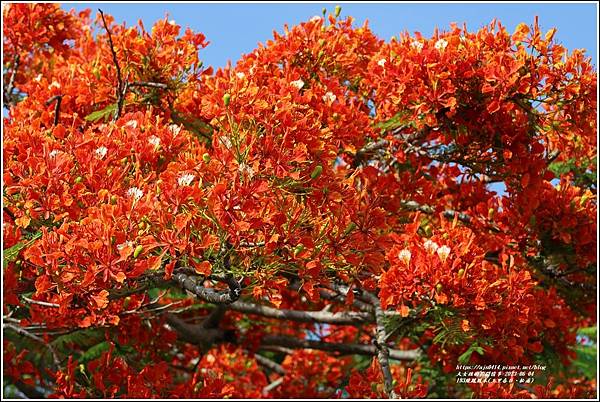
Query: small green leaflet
{"type": "Point", "coordinates": [11, 253]}
{"type": "Point", "coordinates": [98, 114]}
{"type": "Point", "coordinates": [465, 357]}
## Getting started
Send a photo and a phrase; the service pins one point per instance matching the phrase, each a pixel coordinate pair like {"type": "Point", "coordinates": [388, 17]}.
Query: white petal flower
{"type": "Point", "coordinates": [240, 75]}
{"type": "Point", "coordinates": [175, 129]}
{"type": "Point", "coordinates": [185, 180]}
{"type": "Point", "coordinates": [38, 78]}
{"type": "Point", "coordinates": [136, 193]}
{"type": "Point", "coordinates": [124, 244]}
{"type": "Point", "coordinates": [329, 97]}
{"type": "Point", "coordinates": [247, 169]}
{"type": "Point", "coordinates": [441, 44]}
{"type": "Point", "coordinates": [404, 256]}
{"type": "Point", "coordinates": [53, 153]}
{"type": "Point", "coordinates": [172, 22]}
{"type": "Point", "coordinates": [132, 124]}
{"type": "Point", "coordinates": [382, 62]}
{"type": "Point", "coordinates": [101, 152]}
{"type": "Point", "coordinates": [443, 253]}
{"type": "Point", "coordinates": [226, 142]}
{"type": "Point", "coordinates": [415, 44]}
{"type": "Point", "coordinates": [298, 84]}
{"type": "Point", "coordinates": [154, 140]}
{"type": "Point", "coordinates": [430, 246]}
{"type": "Point", "coordinates": [316, 18]}
{"type": "Point", "coordinates": [54, 84]}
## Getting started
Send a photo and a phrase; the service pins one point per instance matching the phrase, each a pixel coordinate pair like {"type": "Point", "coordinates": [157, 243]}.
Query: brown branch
{"type": "Point", "coordinates": [57, 99]}
{"type": "Point", "coordinates": [207, 294]}
{"type": "Point", "coordinates": [28, 334]}
{"type": "Point", "coordinates": [342, 348]}
{"type": "Point", "coordinates": [41, 303]}
{"type": "Point", "coordinates": [10, 87]}
{"type": "Point", "coordinates": [121, 87]}
{"type": "Point", "coordinates": [158, 85]}
{"type": "Point", "coordinates": [383, 353]}
{"type": "Point", "coordinates": [343, 318]}
{"type": "Point", "coordinates": [270, 364]}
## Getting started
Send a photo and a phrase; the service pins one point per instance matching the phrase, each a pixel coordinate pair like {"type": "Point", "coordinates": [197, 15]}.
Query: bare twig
{"type": "Point", "coordinates": [41, 303]}
{"type": "Point", "coordinates": [121, 87]}
{"type": "Point", "coordinates": [158, 85]}
{"type": "Point", "coordinates": [57, 99]}
{"type": "Point", "coordinates": [270, 364]}
{"type": "Point", "coordinates": [272, 386]}
{"type": "Point", "coordinates": [10, 87]}
{"type": "Point", "coordinates": [28, 334]}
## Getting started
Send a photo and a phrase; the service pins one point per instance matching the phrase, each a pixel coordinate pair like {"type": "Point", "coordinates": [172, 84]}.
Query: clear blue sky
{"type": "Point", "coordinates": [235, 29]}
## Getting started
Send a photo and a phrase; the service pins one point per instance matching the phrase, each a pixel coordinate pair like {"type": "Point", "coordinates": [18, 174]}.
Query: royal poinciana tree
{"type": "Point", "coordinates": [318, 221]}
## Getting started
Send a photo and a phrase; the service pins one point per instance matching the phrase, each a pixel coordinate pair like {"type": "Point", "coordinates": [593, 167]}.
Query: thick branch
{"type": "Point", "coordinates": [343, 348]}
{"type": "Point", "coordinates": [383, 352]}
{"type": "Point", "coordinates": [226, 297]}
{"type": "Point", "coordinates": [345, 318]}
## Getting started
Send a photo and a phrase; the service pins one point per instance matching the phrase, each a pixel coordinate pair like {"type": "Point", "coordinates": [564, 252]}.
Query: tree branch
{"type": "Point", "coordinates": [270, 364]}
{"type": "Point", "coordinates": [10, 87]}
{"type": "Point", "coordinates": [121, 86]}
{"type": "Point", "coordinates": [28, 334]}
{"type": "Point", "coordinates": [383, 352]}
{"type": "Point", "coordinates": [343, 318]}
{"type": "Point", "coordinates": [342, 348]}
{"type": "Point", "coordinates": [57, 99]}
{"type": "Point", "coordinates": [226, 297]}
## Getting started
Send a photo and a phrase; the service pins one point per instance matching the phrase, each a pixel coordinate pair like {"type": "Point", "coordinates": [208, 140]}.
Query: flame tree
{"type": "Point", "coordinates": [316, 221]}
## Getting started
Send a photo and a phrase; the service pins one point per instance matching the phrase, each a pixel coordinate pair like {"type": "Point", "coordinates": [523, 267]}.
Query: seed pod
{"type": "Point", "coordinates": [316, 172]}
{"type": "Point", "coordinates": [78, 179]}
{"type": "Point", "coordinates": [438, 287]}
{"type": "Point", "coordinates": [113, 199]}
{"type": "Point", "coordinates": [226, 99]}
{"type": "Point", "coordinates": [337, 11]}
{"type": "Point", "coordinates": [206, 157]}
{"type": "Point", "coordinates": [461, 272]}
{"type": "Point", "coordinates": [138, 250]}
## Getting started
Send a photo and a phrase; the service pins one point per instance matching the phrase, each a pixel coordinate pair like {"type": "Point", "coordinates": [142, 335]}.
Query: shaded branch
{"type": "Point", "coordinates": [342, 318]}
{"type": "Point", "coordinates": [57, 99]}
{"type": "Point", "coordinates": [210, 295]}
{"type": "Point", "coordinates": [10, 87]}
{"type": "Point", "coordinates": [342, 348]}
{"type": "Point", "coordinates": [158, 85]}
{"type": "Point", "coordinates": [383, 352]}
{"type": "Point", "coordinates": [121, 86]}
{"type": "Point", "coordinates": [28, 334]}
{"type": "Point", "coordinates": [270, 364]}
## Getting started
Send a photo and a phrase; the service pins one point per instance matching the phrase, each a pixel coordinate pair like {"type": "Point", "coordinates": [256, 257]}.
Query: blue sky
{"type": "Point", "coordinates": [235, 29]}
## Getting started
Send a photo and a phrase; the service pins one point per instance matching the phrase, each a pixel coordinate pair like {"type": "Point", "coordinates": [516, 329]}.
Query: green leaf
{"type": "Point", "coordinates": [98, 114]}
{"type": "Point", "coordinates": [589, 332]}
{"type": "Point", "coordinates": [586, 360]}
{"type": "Point", "coordinates": [465, 357]}
{"type": "Point", "coordinates": [94, 352]}
{"type": "Point", "coordinates": [11, 253]}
